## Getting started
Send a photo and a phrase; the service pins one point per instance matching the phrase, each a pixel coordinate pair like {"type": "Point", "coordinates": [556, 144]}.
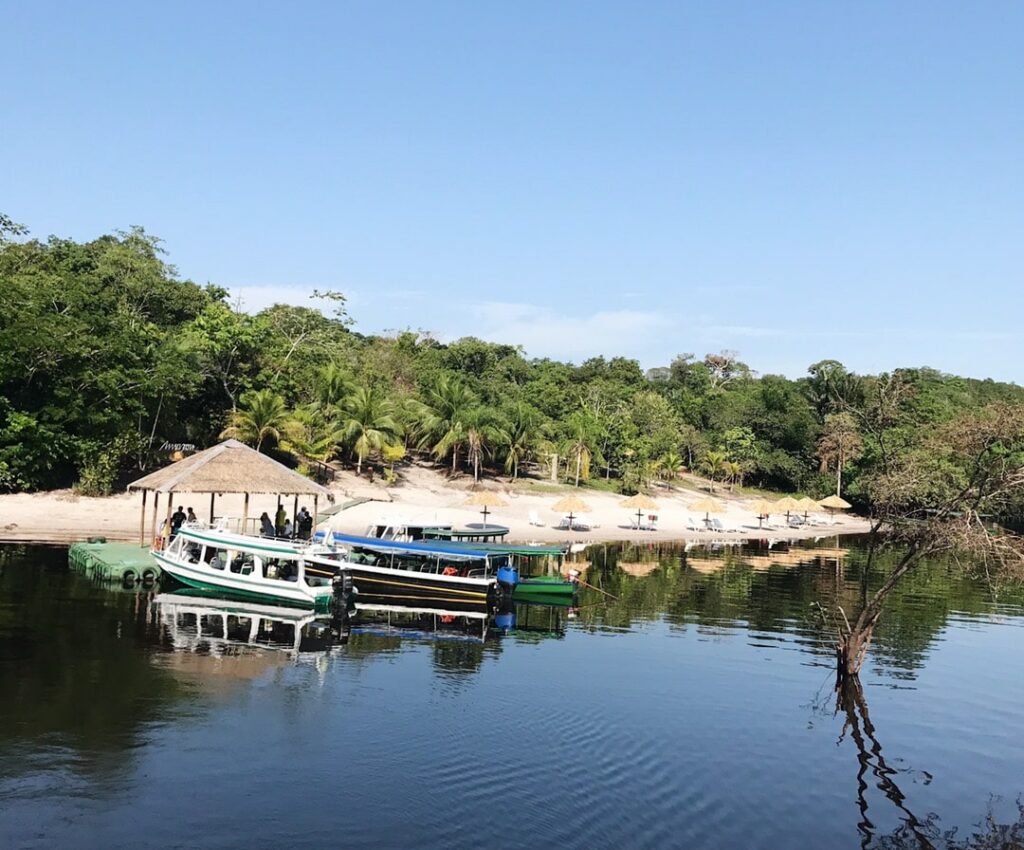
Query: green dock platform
{"type": "Point", "coordinates": [122, 562]}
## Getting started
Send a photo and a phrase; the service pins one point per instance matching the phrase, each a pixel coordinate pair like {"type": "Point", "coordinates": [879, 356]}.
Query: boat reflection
{"type": "Point", "coordinates": [210, 625]}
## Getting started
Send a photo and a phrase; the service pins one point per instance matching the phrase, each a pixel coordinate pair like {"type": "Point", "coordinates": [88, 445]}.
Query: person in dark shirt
{"type": "Point", "coordinates": [305, 523]}
{"type": "Point", "coordinates": [177, 518]}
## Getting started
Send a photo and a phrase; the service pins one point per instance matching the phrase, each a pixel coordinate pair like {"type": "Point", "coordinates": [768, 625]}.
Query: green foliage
{"type": "Point", "coordinates": [101, 342]}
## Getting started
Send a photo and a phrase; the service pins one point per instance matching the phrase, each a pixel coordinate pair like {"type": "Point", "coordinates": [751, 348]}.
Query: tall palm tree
{"type": "Point", "coordinates": [482, 433]}
{"type": "Point", "coordinates": [333, 386]}
{"type": "Point", "coordinates": [519, 436]}
{"type": "Point", "coordinates": [368, 423]}
{"type": "Point", "coordinates": [309, 435]}
{"type": "Point", "coordinates": [447, 410]}
{"type": "Point", "coordinates": [260, 415]}
{"type": "Point", "coordinates": [580, 447]}
{"type": "Point", "coordinates": [713, 465]}
{"type": "Point", "coordinates": [733, 470]}
{"type": "Point", "coordinates": [670, 465]}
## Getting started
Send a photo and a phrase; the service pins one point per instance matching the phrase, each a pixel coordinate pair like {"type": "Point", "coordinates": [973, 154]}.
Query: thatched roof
{"type": "Point", "coordinates": [230, 467]}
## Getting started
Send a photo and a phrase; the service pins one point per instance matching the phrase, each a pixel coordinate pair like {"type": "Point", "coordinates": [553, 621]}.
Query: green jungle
{"type": "Point", "coordinates": [108, 358]}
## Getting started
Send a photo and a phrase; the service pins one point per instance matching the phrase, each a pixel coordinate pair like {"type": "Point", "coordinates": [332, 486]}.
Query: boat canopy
{"type": "Point", "coordinates": [410, 547]}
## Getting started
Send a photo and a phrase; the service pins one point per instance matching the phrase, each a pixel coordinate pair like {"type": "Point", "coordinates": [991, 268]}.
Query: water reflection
{"type": "Point", "coordinates": [676, 707]}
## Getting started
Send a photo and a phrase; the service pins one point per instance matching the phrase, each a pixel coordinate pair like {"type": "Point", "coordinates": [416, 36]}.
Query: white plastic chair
{"type": "Point", "coordinates": [535, 520]}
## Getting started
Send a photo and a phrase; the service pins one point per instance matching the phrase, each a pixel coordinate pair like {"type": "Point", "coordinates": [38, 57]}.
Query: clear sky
{"type": "Point", "coordinates": [791, 180]}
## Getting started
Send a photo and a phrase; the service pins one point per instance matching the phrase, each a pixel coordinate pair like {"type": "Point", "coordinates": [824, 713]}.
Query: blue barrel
{"type": "Point", "coordinates": [506, 622]}
{"type": "Point", "coordinates": [508, 576]}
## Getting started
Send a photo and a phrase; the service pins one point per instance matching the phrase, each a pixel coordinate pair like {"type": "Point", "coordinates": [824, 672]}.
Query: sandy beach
{"type": "Point", "coordinates": [423, 496]}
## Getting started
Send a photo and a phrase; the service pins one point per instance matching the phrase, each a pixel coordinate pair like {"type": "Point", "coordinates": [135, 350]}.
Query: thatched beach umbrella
{"type": "Point", "coordinates": [807, 504]}
{"type": "Point", "coordinates": [708, 506]}
{"type": "Point", "coordinates": [834, 503]}
{"type": "Point", "coordinates": [763, 509]}
{"type": "Point", "coordinates": [485, 499]}
{"type": "Point", "coordinates": [641, 503]}
{"type": "Point", "coordinates": [787, 504]}
{"type": "Point", "coordinates": [570, 505]}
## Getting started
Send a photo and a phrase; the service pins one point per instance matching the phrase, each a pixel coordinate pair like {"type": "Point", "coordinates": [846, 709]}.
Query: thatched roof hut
{"type": "Point", "coordinates": [229, 467]}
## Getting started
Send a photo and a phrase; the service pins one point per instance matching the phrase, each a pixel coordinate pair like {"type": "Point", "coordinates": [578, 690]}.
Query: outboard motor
{"type": "Point", "coordinates": [508, 577]}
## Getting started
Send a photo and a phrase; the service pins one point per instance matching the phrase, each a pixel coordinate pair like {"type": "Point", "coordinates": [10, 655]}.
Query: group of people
{"type": "Point", "coordinates": [282, 526]}
{"type": "Point", "coordinates": [179, 518]}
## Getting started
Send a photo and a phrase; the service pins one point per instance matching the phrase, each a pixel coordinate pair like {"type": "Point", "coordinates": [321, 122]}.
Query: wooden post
{"type": "Point", "coordinates": [295, 513]}
{"type": "Point", "coordinates": [315, 500]}
{"type": "Point", "coordinates": [212, 497]}
{"type": "Point", "coordinates": [142, 520]}
{"type": "Point", "coordinates": [156, 511]}
{"type": "Point", "coordinates": [170, 505]}
{"type": "Point", "coordinates": [245, 514]}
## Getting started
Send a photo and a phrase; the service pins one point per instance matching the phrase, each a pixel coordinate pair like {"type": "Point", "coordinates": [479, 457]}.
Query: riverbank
{"type": "Point", "coordinates": [424, 497]}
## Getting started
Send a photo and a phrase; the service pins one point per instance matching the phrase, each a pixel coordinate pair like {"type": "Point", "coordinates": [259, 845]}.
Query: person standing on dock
{"type": "Point", "coordinates": [191, 516]}
{"type": "Point", "coordinates": [266, 526]}
{"type": "Point", "coordinates": [304, 522]}
{"type": "Point", "coordinates": [279, 520]}
{"type": "Point", "coordinates": [177, 518]}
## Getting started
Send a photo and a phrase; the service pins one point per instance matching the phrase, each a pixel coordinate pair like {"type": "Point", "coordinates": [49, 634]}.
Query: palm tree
{"type": "Point", "coordinates": [481, 433]}
{"type": "Point", "coordinates": [713, 464]}
{"type": "Point", "coordinates": [333, 386]}
{"type": "Point", "coordinates": [670, 465]}
{"type": "Point", "coordinates": [519, 436]}
{"type": "Point", "coordinates": [261, 415]}
{"type": "Point", "coordinates": [733, 470]}
{"type": "Point", "coordinates": [307, 434]}
{"type": "Point", "coordinates": [368, 423]}
{"type": "Point", "coordinates": [447, 410]}
{"type": "Point", "coordinates": [580, 445]}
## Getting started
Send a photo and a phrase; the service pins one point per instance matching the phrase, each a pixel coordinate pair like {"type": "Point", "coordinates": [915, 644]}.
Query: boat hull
{"type": "Point", "coordinates": [544, 587]}
{"type": "Point", "coordinates": [408, 587]}
{"type": "Point", "coordinates": [236, 586]}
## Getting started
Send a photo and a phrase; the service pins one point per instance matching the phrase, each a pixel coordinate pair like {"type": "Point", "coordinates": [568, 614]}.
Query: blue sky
{"type": "Point", "coordinates": [791, 180]}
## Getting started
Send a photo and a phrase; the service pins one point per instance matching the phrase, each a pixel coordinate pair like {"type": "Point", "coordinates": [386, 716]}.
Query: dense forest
{"type": "Point", "coordinates": [107, 356]}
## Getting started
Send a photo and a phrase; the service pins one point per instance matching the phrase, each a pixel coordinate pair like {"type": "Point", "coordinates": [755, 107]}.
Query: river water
{"type": "Point", "coordinates": [695, 710]}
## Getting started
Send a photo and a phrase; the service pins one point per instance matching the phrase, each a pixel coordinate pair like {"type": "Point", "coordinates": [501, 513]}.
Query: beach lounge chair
{"type": "Point", "coordinates": [693, 525]}
{"type": "Point", "coordinates": [536, 520]}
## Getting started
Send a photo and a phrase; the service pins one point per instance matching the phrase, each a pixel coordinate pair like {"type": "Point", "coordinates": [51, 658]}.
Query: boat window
{"type": "Point", "coordinates": [176, 545]}
{"type": "Point", "coordinates": [192, 552]}
{"type": "Point", "coordinates": [242, 562]}
{"type": "Point", "coordinates": [282, 569]}
{"type": "Point", "coordinates": [215, 557]}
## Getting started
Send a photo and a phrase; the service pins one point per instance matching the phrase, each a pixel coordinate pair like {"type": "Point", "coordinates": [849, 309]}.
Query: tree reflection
{"type": "Point", "coordinates": [914, 832]}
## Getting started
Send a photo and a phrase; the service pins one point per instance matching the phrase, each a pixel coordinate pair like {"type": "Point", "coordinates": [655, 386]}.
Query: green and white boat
{"type": "Point", "coordinates": [251, 568]}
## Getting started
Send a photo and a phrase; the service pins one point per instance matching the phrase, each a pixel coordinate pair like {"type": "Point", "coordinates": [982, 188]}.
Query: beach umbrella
{"type": "Point", "coordinates": [708, 506]}
{"type": "Point", "coordinates": [807, 504]}
{"type": "Point", "coordinates": [485, 499]}
{"type": "Point", "coordinates": [641, 503]}
{"type": "Point", "coordinates": [787, 504]}
{"type": "Point", "coordinates": [834, 503]}
{"type": "Point", "coordinates": [570, 505]}
{"type": "Point", "coordinates": [763, 508]}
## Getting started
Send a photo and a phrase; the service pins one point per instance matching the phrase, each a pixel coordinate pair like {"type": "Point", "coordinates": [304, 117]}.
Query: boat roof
{"type": "Point", "coordinates": [524, 549]}
{"type": "Point", "coordinates": [417, 547]}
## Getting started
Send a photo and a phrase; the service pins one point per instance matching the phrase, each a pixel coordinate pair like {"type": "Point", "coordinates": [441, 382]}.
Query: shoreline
{"type": "Point", "coordinates": [61, 517]}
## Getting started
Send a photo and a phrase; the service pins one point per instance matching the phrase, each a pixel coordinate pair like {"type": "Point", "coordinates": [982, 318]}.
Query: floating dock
{"type": "Point", "coordinates": [121, 562]}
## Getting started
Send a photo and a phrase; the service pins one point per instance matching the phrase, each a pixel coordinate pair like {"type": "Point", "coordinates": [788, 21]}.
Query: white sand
{"type": "Point", "coordinates": [424, 495]}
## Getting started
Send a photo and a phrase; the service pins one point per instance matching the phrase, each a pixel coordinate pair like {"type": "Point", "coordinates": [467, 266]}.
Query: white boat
{"type": "Point", "coordinates": [254, 568]}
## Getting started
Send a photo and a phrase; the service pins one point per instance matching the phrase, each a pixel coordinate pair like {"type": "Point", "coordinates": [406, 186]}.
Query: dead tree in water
{"type": "Point", "coordinates": [913, 833]}
{"type": "Point", "coordinates": [929, 497]}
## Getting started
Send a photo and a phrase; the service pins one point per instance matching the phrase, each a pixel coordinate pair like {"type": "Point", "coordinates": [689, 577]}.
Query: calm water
{"type": "Point", "coordinates": [696, 710]}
